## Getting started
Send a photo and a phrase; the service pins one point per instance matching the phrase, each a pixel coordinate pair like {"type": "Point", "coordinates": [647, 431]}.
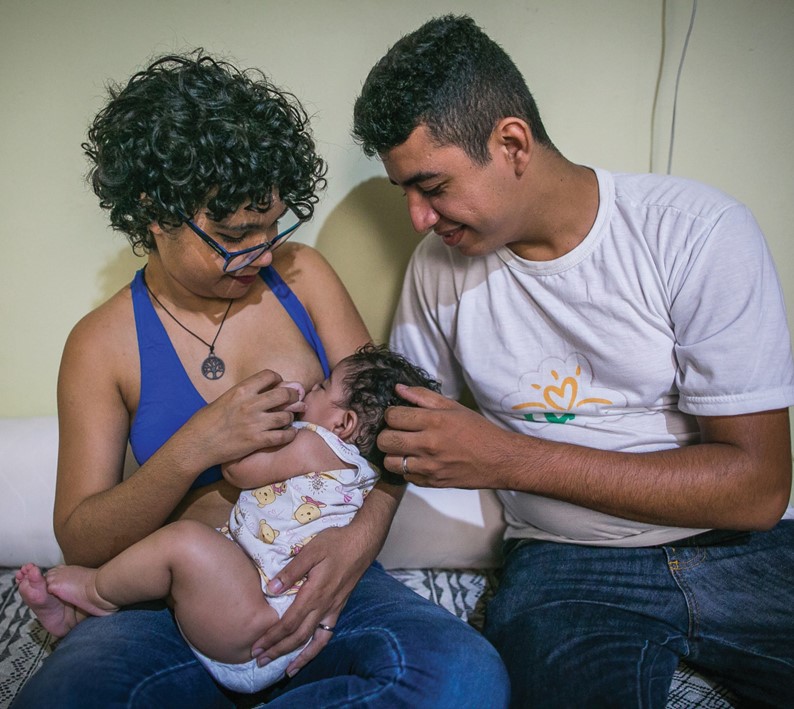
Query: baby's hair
{"type": "Point", "coordinates": [370, 377]}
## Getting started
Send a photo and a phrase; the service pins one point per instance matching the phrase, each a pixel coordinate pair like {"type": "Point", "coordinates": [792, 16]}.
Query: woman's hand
{"type": "Point", "coordinates": [332, 563]}
{"type": "Point", "coordinates": [254, 414]}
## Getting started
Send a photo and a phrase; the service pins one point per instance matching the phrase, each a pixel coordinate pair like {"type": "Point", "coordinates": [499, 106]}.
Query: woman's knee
{"type": "Point", "coordinates": [465, 669]}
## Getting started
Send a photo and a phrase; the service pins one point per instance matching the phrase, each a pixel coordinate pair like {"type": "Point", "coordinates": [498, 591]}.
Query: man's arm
{"type": "Point", "coordinates": [737, 477]}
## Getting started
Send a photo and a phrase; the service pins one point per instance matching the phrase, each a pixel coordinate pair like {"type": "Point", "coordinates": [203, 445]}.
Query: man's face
{"type": "Point", "coordinates": [466, 204]}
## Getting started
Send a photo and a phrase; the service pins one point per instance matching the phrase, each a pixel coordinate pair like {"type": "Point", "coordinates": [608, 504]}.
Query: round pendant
{"type": "Point", "coordinates": [213, 367]}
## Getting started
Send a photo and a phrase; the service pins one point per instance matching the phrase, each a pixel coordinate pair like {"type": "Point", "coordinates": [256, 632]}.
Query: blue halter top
{"type": "Point", "coordinates": [168, 398]}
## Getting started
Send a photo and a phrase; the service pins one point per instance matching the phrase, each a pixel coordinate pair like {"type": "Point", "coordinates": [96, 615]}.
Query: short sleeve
{"type": "Point", "coordinates": [424, 322]}
{"type": "Point", "coordinates": [732, 341]}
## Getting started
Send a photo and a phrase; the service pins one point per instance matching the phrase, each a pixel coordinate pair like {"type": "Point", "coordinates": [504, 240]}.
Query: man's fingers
{"type": "Point", "coordinates": [424, 398]}
{"type": "Point", "coordinates": [417, 418]}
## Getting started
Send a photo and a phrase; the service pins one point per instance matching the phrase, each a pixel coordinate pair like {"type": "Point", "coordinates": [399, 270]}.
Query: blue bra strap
{"type": "Point", "coordinates": [297, 312]}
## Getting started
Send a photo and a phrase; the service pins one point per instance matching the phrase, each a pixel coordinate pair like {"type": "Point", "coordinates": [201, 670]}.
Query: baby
{"type": "Point", "coordinates": [216, 582]}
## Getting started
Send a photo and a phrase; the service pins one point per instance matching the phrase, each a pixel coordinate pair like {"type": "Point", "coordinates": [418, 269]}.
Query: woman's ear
{"type": "Point", "coordinates": [154, 228]}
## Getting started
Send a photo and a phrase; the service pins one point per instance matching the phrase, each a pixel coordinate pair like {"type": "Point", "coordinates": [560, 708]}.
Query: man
{"type": "Point", "coordinates": [625, 340]}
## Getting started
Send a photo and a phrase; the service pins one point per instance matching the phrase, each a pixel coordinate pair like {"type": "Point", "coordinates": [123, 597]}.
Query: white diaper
{"type": "Point", "coordinates": [247, 677]}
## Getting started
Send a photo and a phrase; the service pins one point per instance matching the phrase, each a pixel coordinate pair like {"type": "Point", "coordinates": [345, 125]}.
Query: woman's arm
{"type": "Point", "coordinates": [97, 515]}
{"type": "Point", "coordinates": [332, 563]}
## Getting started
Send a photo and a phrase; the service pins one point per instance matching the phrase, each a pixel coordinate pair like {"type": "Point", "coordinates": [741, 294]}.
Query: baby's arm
{"type": "Point", "coordinates": [306, 453]}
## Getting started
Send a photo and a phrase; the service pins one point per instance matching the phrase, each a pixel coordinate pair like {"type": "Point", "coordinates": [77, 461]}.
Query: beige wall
{"type": "Point", "coordinates": [593, 66]}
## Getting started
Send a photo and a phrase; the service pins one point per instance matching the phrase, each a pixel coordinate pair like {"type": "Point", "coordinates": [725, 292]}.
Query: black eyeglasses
{"type": "Point", "coordinates": [235, 260]}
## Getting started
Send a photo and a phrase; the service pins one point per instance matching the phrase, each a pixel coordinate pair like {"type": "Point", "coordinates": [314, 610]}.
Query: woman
{"type": "Point", "coordinates": [208, 170]}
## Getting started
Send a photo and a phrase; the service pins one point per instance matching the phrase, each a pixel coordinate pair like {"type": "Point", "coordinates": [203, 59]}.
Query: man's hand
{"type": "Point", "coordinates": [441, 443]}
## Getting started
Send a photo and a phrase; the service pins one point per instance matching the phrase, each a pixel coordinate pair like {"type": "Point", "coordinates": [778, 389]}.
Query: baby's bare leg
{"type": "Point", "coordinates": [213, 586]}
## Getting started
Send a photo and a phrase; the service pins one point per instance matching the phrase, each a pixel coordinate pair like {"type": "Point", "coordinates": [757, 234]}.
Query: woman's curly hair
{"type": "Point", "coordinates": [191, 130]}
{"type": "Point", "coordinates": [371, 374]}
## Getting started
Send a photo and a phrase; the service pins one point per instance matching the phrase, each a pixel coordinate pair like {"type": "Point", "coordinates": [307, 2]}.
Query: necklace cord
{"type": "Point", "coordinates": [212, 367]}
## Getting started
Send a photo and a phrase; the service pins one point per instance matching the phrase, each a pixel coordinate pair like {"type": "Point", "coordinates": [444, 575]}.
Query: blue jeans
{"type": "Point", "coordinates": [591, 627]}
{"type": "Point", "coordinates": [391, 648]}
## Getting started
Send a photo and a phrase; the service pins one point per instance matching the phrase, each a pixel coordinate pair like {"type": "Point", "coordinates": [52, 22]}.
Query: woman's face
{"type": "Point", "coordinates": [198, 267]}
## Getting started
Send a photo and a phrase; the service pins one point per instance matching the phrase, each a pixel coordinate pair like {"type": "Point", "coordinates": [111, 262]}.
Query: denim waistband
{"type": "Point", "coordinates": [713, 537]}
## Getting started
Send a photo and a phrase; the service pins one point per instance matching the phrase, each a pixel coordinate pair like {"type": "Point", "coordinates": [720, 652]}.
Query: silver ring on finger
{"type": "Point", "coordinates": [323, 626]}
{"type": "Point", "coordinates": [404, 465]}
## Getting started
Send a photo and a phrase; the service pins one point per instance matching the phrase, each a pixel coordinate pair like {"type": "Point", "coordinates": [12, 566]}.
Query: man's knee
{"type": "Point", "coordinates": [574, 653]}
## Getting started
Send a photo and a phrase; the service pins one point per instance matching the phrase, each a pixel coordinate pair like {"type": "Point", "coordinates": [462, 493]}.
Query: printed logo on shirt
{"type": "Point", "coordinates": [559, 391]}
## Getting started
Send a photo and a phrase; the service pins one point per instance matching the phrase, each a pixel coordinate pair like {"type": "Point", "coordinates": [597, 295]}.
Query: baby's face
{"type": "Point", "coordinates": [321, 400]}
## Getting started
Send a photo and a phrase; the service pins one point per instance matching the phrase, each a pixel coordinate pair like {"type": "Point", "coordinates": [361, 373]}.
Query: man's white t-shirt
{"type": "Point", "coordinates": [670, 308]}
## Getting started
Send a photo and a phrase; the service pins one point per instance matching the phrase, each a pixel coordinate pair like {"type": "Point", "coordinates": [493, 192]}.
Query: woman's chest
{"type": "Point", "coordinates": [185, 364]}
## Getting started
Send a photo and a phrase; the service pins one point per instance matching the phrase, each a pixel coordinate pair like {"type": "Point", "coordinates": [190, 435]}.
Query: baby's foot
{"type": "Point", "coordinates": [56, 616]}
{"type": "Point", "coordinates": [76, 586]}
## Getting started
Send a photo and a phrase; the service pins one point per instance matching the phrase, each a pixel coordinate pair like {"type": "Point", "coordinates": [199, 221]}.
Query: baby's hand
{"type": "Point", "coordinates": [298, 407]}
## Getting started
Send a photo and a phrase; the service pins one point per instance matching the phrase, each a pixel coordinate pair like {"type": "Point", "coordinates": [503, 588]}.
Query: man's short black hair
{"type": "Point", "coordinates": [451, 77]}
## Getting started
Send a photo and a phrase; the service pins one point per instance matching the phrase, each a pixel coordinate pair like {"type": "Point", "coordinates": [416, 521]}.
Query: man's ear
{"type": "Point", "coordinates": [513, 138]}
{"type": "Point", "coordinates": [347, 425]}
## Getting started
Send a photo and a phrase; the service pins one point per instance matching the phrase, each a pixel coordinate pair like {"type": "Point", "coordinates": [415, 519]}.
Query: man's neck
{"type": "Point", "coordinates": [562, 200]}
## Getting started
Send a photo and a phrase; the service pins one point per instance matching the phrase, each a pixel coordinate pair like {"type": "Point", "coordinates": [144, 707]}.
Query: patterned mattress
{"type": "Point", "coordinates": [24, 643]}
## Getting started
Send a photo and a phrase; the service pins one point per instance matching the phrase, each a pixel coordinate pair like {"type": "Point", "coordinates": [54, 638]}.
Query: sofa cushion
{"type": "Point", "coordinates": [445, 529]}
{"type": "Point", "coordinates": [28, 459]}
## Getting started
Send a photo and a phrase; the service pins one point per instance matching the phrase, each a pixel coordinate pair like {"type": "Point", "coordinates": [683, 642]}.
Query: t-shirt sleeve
{"type": "Point", "coordinates": [423, 327]}
{"type": "Point", "coordinates": [732, 342]}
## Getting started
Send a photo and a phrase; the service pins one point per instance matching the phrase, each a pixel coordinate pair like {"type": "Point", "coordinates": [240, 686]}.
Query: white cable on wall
{"type": "Point", "coordinates": [677, 82]}
{"type": "Point", "coordinates": [675, 89]}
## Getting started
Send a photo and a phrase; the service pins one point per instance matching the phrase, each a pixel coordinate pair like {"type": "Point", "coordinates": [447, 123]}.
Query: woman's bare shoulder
{"type": "Point", "coordinates": [104, 341]}
{"type": "Point", "coordinates": [325, 297]}
{"type": "Point", "coordinates": [309, 275]}
{"type": "Point", "coordinates": [300, 264]}
{"type": "Point", "coordinates": [102, 326]}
